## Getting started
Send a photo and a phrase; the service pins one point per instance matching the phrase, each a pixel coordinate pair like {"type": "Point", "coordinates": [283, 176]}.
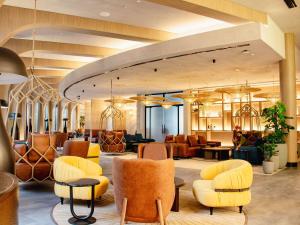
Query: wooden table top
{"type": "Point", "coordinates": [217, 148]}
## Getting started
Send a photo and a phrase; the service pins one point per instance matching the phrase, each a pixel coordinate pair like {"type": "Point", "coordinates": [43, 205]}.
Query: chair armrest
{"type": "Point", "coordinates": [210, 172]}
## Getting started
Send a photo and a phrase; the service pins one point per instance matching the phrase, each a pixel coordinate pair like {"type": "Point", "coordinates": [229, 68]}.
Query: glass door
{"type": "Point", "coordinates": [161, 122]}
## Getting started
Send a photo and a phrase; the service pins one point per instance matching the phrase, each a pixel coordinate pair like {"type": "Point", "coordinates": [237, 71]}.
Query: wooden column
{"type": "Point", "coordinates": [287, 68]}
{"type": "Point", "coordinates": [60, 115]}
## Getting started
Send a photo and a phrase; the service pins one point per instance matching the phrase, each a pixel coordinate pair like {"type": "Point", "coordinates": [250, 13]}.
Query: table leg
{"type": "Point", "coordinates": [82, 220]}
{"type": "Point", "coordinates": [175, 206]}
{"type": "Point", "coordinates": [223, 155]}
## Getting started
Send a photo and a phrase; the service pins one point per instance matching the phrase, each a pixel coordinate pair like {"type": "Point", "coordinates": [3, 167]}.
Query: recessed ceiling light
{"type": "Point", "coordinates": [245, 51]}
{"type": "Point", "coordinates": [138, 1]}
{"type": "Point", "coordinates": [237, 70]}
{"type": "Point", "coordinates": [104, 14]}
{"type": "Point", "coordinates": [252, 54]}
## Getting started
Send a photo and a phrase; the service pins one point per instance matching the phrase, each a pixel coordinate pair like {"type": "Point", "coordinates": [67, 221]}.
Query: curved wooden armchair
{"type": "Point", "coordinates": [155, 151]}
{"type": "Point", "coordinates": [132, 179]}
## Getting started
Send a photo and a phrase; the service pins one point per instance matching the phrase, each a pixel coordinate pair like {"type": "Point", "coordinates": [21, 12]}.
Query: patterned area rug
{"type": "Point", "coordinates": [191, 212]}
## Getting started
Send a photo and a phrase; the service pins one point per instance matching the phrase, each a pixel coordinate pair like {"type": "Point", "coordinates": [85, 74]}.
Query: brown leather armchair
{"type": "Point", "coordinates": [155, 151]}
{"type": "Point", "coordinates": [76, 148]}
{"type": "Point", "coordinates": [132, 179]}
{"type": "Point", "coordinates": [36, 162]}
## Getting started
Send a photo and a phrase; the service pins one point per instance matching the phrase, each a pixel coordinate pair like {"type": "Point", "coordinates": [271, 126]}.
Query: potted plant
{"type": "Point", "coordinates": [268, 150]}
{"type": "Point", "coordinates": [278, 129]}
{"type": "Point", "coordinates": [81, 124]}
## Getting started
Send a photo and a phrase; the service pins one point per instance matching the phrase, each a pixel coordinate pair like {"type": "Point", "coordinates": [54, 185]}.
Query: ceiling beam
{"type": "Point", "coordinates": [21, 46]}
{"type": "Point", "coordinates": [14, 20]}
{"type": "Point", "coordinates": [49, 73]}
{"type": "Point", "coordinates": [225, 10]}
{"type": "Point", "coordinates": [53, 63]}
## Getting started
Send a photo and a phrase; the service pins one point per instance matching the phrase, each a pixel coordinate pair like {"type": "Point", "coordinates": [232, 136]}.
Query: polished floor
{"type": "Point", "coordinates": [275, 199]}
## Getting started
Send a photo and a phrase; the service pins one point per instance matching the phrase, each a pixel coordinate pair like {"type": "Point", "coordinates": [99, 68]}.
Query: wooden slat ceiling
{"type": "Point", "coordinates": [14, 20]}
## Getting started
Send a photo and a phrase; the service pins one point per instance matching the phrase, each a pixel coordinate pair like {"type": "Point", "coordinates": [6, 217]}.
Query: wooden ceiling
{"type": "Point", "coordinates": [14, 20]}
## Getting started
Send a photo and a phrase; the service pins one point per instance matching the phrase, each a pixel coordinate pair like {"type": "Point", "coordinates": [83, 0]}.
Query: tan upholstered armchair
{"type": "Point", "coordinates": [155, 151]}
{"type": "Point", "coordinates": [132, 179]}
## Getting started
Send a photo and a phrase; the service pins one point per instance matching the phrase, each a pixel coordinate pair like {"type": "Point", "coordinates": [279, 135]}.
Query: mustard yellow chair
{"type": "Point", "coordinates": [69, 168]}
{"type": "Point", "coordinates": [94, 153]}
{"type": "Point", "coordinates": [225, 184]}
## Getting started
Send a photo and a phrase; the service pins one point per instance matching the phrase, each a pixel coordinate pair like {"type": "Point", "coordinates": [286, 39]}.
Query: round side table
{"type": "Point", "coordinates": [88, 219]}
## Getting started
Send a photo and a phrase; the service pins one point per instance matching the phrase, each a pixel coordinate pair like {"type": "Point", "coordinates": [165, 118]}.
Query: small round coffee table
{"type": "Point", "coordinates": [85, 182]}
{"type": "Point", "coordinates": [178, 183]}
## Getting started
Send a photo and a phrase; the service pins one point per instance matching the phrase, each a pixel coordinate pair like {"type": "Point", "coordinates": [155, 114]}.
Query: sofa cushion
{"type": "Point", "coordinates": [202, 140]}
{"type": "Point", "coordinates": [192, 140]}
{"type": "Point", "coordinates": [180, 139]}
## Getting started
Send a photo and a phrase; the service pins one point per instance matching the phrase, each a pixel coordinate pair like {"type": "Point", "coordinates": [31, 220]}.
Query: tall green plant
{"type": "Point", "coordinates": [276, 118]}
{"type": "Point", "coordinates": [81, 121]}
{"type": "Point", "coordinates": [268, 150]}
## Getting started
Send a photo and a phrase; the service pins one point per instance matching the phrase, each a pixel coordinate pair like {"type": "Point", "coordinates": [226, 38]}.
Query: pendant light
{"type": "Point", "coordinates": [12, 71]}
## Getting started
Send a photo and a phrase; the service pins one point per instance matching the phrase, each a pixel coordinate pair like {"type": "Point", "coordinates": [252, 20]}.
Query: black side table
{"type": "Point", "coordinates": [82, 220]}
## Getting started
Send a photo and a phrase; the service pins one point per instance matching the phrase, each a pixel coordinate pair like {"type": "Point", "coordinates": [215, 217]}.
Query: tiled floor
{"type": "Point", "coordinates": [275, 199]}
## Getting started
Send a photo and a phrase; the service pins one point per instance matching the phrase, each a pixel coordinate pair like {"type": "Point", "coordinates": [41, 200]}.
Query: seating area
{"type": "Point", "coordinates": [165, 112]}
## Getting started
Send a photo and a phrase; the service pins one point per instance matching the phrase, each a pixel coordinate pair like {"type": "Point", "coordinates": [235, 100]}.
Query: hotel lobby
{"type": "Point", "coordinates": [170, 112]}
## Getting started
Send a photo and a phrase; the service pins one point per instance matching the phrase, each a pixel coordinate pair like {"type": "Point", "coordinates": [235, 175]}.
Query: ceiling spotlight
{"type": "Point", "coordinates": [245, 52]}
{"type": "Point", "coordinates": [104, 14]}
{"type": "Point", "coordinates": [82, 91]}
{"type": "Point", "coordinates": [214, 61]}
{"type": "Point", "coordinates": [94, 85]}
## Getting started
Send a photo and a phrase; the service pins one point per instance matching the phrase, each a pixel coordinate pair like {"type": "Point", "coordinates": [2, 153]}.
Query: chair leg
{"type": "Point", "coordinates": [61, 201]}
{"type": "Point", "coordinates": [88, 202]}
{"type": "Point", "coordinates": [241, 208]}
{"type": "Point", "coordinates": [123, 215]}
{"type": "Point", "coordinates": [160, 212]}
{"type": "Point", "coordinates": [211, 209]}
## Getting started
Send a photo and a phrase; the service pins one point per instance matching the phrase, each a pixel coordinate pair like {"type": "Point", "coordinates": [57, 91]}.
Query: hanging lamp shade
{"type": "Point", "coordinates": [269, 96]}
{"type": "Point", "coordinates": [190, 96]}
{"type": "Point", "coordinates": [167, 104]}
{"type": "Point", "coordinates": [12, 71]}
{"type": "Point", "coordinates": [12, 68]}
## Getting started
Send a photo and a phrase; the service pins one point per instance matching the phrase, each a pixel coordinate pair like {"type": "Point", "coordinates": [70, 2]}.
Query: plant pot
{"type": "Point", "coordinates": [275, 160]}
{"type": "Point", "coordinates": [282, 152]}
{"type": "Point", "coordinates": [268, 167]}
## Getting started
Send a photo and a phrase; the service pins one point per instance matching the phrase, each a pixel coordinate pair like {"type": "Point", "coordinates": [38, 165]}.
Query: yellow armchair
{"type": "Point", "coordinates": [69, 168]}
{"type": "Point", "coordinates": [225, 184]}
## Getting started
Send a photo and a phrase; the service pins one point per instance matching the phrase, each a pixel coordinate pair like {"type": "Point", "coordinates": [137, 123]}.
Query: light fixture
{"type": "Point", "coordinates": [147, 99]}
{"type": "Point", "coordinates": [269, 96]}
{"type": "Point", "coordinates": [190, 96]}
{"type": "Point", "coordinates": [12, 68]}
{"type": "Point", "coordinates": [12, 71]}
{"type": "Point", "coordinates": [167, 104]}
{"type": "Point", "coordinates": [112, 111]}
{"type": "Point", "coordinates": [238, 92]}
{"type": "Point", "coordinates": [104, 14]}
{"type": "Point", "coordinates": [119, 101]}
